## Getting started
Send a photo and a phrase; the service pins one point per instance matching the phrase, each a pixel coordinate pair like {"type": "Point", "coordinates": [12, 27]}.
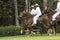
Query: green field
{"type": "Point", "coordinates": [33, 37]}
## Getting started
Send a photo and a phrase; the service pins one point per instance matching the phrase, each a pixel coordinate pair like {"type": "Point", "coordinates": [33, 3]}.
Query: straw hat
{"type": "Point", "coordinates": [36, 4]}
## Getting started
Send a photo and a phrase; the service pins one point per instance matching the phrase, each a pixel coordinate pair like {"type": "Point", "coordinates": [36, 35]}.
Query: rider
{"type": "Point", "coordinates": [37, 14]}
{"type": "Point", "coordinates": [57, 11]}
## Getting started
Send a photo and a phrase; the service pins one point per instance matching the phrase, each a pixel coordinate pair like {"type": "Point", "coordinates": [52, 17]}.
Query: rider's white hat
{"type": "Point", "coordinates": [58, 0]}
{"type": "Point", "coordinates": [36, 4]}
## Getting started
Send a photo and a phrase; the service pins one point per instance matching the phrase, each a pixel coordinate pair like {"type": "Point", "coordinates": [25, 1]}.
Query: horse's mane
{"type": "Point", "coordinates": [28, 15]}
{"type": "Point", "coordinates": [51, 9]}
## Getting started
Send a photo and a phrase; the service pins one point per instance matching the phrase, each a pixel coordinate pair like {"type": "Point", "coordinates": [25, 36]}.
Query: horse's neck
{"type": "Point", "coordinates": [50, 13]}
{"type": "Point", "coordinates": [29, 14]}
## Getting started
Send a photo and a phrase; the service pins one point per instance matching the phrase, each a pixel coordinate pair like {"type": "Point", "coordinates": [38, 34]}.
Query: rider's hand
{"type": "Point", "coordinates": [55, 9]}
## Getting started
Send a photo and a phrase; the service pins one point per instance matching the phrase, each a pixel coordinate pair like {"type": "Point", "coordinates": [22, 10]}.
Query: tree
{"type": "Point", "coordinates": [26, 1]}
{"type": "Point", "coordinates": [16, 13]}
{"type": "Point", "coordinates": [45, 4]}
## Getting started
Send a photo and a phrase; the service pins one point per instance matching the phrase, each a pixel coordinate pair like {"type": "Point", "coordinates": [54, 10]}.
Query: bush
{"type": "Point", "coordinates": [58, 28]}
{"type": "Point", "coordinates": [10, 31]}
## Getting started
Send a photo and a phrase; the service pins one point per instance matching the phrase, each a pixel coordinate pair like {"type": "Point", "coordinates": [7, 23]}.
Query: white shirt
{"type": "Point", "coordinates": [38, 11]}
{"type": "Point", "coordinates": [33, 12]}
{"type": "Point", "coordinates": [58, 7]}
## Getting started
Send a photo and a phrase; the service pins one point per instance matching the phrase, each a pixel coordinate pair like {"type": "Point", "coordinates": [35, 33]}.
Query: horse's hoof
{"type": "Point", "coordinates": [50, 34]}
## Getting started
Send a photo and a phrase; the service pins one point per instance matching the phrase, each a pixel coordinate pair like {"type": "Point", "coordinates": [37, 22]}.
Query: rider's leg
{"type": "Point", "coordinates": [55, 15]}
{"type": "Point", "coordinates": [54, 18]}
{"type": "Point", "coordinates": [34, 20]}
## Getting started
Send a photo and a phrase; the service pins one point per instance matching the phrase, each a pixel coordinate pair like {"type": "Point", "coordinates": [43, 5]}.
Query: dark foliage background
{"type": "Point", "coordinates": [7, 16]}
{"type": "Point", "coordinates": [6, 12]}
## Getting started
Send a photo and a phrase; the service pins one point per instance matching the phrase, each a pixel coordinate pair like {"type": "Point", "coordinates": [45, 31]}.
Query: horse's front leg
{"type": "Point", "coordinates": [28, 29]}
{"type": "Point", "coordinates": [49, 32]}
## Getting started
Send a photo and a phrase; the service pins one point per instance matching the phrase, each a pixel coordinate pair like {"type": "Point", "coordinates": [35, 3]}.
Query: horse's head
{"type": "Point", "coordinates": [49, 11]}
{"type": "Point", "coordinates": [26, 17]}
{"type": "Point", "coordinates": [22, 13]}
{"type": "Point", "coordinates": [25, 14]}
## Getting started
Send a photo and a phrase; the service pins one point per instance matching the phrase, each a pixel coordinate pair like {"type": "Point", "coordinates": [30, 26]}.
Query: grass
{"type": "Point", "coordinates": [33, 37]}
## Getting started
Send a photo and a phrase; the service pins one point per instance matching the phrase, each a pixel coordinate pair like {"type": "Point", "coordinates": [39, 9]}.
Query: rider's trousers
{"type": "Point", "coordinates": [55, 15]}
{"type": "Point", "coordinates": [35, 18]}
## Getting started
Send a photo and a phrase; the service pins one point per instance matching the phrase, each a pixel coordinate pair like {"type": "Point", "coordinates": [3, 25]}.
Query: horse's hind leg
{"type": "Point", "coordinates": [54, 30]}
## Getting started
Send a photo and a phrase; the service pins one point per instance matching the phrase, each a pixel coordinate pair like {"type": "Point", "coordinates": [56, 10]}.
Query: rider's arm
{"type": "Point", "coordinates": [58, 6]}
{"type": "Point", "coordinates": [39, 11]}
